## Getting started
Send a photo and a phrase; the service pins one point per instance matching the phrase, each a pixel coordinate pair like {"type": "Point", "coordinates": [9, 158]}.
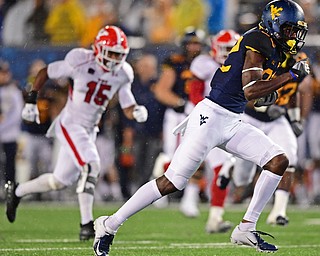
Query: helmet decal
{"type": "Point", "coordinates": [275, 12]}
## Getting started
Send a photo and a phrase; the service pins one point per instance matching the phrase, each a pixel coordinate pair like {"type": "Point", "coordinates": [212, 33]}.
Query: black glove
{"type": "Point", "coordinates": [180, 108]}
{"type": "Point", "coordinates": [266, 100]}
{"type": "Point", "coordinates": [300, 70]}
{"type": "Point", "coordinates": [275, 111]}
{"type": "Point", "coordinates": [297, 128]}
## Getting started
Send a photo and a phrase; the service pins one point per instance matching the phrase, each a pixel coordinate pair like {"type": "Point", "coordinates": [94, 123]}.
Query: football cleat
{"type": "Point", "coordinates": [12, 201]}
{"type": "Point", "coordinates": [103, 240]}
{"type": "Point", "coordinates": [86, 231]}
{"type": "Point", "coordinates": [189, 208]}
{"type": "Point", "coordinates": [279, 220]}
{"type": "Point", "coordinates": [213, 226]}
{"type": "Point", "coordinates": [253, 239]}
{"type": "Point", "coordinates": [282, 221]}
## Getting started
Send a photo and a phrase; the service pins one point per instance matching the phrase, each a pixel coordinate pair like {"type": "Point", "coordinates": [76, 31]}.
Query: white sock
{"type": "Point", "coordinates": [247, 226]}
{"type": "Point", "coordinates": [86, 205]}
{"type": "Point", "coordinates": [281, 199]}
{"type": "Point", "coordinates": [191, 193]}
{"type": "Point", "coordinates": [143, 197]}
{"type": "Point", "coordinates": [263, 190]}
{"type": "Point", "coordinates": [216, 213]}
{"type": "Point", "coordinates": [37, 185]}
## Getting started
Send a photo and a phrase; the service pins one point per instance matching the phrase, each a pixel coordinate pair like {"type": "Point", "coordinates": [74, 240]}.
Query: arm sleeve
{"type": "Point", "coordinates": [126, 98]}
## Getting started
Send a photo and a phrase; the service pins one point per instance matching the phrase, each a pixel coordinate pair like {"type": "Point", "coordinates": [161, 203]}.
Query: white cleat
{"type": "Point", "coordinates": [253, 239]}
{"type": "Point", "coordinates": [189, 209]}
{"type": "Point", "coordinates": [103, 239]}
{"type": "Point", "coordinates": [215, 226]}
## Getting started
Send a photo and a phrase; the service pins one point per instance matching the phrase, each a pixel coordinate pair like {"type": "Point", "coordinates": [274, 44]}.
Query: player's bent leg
{"type": "Point", "coordinates": [44, 183]}
{"type": "Point", "coordinates": [246, 233]}
{"type": "Point", "coordinates": [85, 189]}
{"type": "Point", "coordinates": [190, 199]}
{"type": "Point", "coordinates": [107, 226]}
{"type": "Point", "coordinates": [278, 215]}
{"type": "Point", "coordinates": [215, 222]}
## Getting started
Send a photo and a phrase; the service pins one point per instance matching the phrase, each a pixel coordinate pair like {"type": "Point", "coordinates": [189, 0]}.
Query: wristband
{"type": "Point", "coordinates": [32, 97]}
{"type": "Point", "coordinates": [294, 114]}
{"type": "Point", "coordinates": [294, 76]}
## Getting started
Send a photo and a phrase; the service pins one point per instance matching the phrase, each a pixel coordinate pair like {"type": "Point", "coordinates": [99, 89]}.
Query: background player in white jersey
{"type": "Point", "coordinates": [97, 75]}
{"type": "Point", "coordinates": [203, 68]}
{"type": "Point", "coordinates": [247, 74]}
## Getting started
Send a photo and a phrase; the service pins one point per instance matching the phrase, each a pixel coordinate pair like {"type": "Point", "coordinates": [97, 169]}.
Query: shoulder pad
{"type": "Point", "coordinates": [259, 41]}
{"type": "Point", "coordinates": [79, 56]}
{"type": "Point", "coordinates": [128, 70]}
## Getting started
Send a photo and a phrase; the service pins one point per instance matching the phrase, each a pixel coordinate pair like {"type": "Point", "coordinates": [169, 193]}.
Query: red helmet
{"type": "Point", "coordinates": [111, 48]}
{"type": "Point", "coordinates": [222, 43]}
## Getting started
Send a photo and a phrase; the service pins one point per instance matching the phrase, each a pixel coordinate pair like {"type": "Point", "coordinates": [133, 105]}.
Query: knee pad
{"type": "Point", "coordinates": [88, 178]}
{"type": "Point", "coordinates": [176, 179]}
{"type": "Point", "coordinates": [54, 183]}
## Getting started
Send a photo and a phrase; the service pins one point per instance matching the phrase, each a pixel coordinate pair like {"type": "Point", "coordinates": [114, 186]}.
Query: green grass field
{"type": "Point", "coordinates": [52, 229]}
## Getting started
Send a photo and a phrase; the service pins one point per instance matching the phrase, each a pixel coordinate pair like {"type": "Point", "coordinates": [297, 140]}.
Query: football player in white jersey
{"type": "Point", "coordinates": [97, 75]}
{"type": "Point", "coordinates": [203, 68]}
{"type": "Point", "coordinates": [247, 75]}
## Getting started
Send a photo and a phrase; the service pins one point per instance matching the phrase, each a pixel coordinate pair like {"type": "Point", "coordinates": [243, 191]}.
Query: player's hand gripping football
{"type": "Point", "coordinates": [300, 70]}
{"type": "Point", "coordinates": [266, 100]}
{"type": "Point", "coordinates": [140, 113]}
{"type": "Point", "coordinates": [30, 111]}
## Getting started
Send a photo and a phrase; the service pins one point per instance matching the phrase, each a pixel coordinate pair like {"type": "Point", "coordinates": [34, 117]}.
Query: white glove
{"type": "Point", "coordinates": [30, 113]}
{"type": "Point", "coordinates": [140, 113]}
{"type": "Point", "coordinates": [301, 69]}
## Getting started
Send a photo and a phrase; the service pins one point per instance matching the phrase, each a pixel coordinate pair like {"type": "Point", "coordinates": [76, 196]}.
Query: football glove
{"type": "Point", "coordinates": [294, 118]}
{"type": "Point", "coordinates": [266, 100]}
{"type": "Point", "coordinates": [297, 128]}
{"type": "Point", "coordinates": [300, 70]}
{"type": "Point", "coordinates": [30, 113]}
{"type": "Point", "coordinates": [140, 113]}
{"type": "Point", "coordinates": [275, 111]}
{"type": "Point", "coordinates": [180, 108]}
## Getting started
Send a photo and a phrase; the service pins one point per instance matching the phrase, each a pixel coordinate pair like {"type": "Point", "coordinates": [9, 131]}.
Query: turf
{"type": "Point", "coordinates": [52, 229]}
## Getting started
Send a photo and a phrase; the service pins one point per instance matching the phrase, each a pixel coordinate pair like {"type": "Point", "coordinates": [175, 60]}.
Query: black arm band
{"type": "Point", "coordinates": [32, 97]}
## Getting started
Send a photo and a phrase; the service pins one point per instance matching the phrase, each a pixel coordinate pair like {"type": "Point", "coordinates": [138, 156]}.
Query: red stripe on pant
{"type": "Point", "coordinates": [73, 147]}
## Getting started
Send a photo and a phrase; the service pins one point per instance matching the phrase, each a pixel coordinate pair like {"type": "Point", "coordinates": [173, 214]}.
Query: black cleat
{"type": "Point", "coordinates": [12, 201]}
{"type": "Point", "coordinates": [282, 221]}
{"type": "Point", "coordinates": [86, 231]}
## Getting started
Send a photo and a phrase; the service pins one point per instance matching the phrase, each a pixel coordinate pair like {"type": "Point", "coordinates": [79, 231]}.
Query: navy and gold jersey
{"type": "Point", "coordinates": [181, 67]}
{"type": "Point", "coordinates": [227, 82]}
{"type": "Point", "coordinates": [284, 93]}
